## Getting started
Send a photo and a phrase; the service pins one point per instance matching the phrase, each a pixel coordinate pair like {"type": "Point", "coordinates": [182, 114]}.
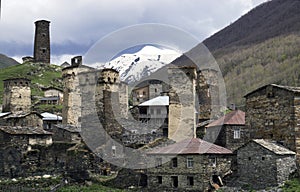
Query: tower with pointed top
{"type": "Point", "coordinates": [42, 42]}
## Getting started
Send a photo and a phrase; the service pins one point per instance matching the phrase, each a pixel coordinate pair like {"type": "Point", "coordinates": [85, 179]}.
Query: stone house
{"type": "Point", "coordinates": [146, 91]}
{"type": "Point", "coordinates": [31, 119]}
{"type": "Point", "coordinates": [227, 131]}
{"type": "Point", "coordinates": [263, 164]}
{"type": "Point", "coordinates": [66, 133]}
{"type": "Point", "coordinates": [49, 120]}
{"type": "Point", "coordinates": [52, 96]}
{"type": "Point", "coordinates": [188, 165]}
{"type": "Point", "coordinates": [155, 111]}
{"type": "Point", "coordinates": [24, 136]}
{"type": "Point", "coordinates": [273, 112]}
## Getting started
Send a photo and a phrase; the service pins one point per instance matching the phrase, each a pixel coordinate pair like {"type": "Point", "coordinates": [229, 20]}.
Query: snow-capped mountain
{"type": "Point", "coordinates": [144, 62]}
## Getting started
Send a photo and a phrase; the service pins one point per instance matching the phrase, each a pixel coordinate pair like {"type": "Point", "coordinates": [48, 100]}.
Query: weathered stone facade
{"type": "Point", "coordinates": [71, 112]}
{"type": "Point", "coordinates": [228, 131]}
{"type": "Point", "coordinates": [263, 164]}
{"type": "Point", "coordinates": [189, 170]}
{"type": "Point", "coordinates": [182, 113]}
{"type": "Point", "coordinates": [123, 99]}
{"type": "Point", "coordinates": [16, 95]}
{"type": "Point", "coordinates": [31, 119]}
{"type": "Point", "coordinates": [273, 112]}
{"type": "Point", "coordinates": [42, 42]}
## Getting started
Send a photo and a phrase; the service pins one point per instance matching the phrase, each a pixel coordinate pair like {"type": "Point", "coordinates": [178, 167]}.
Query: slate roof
{"type": "Point", "coordinates": [4, 114]}
{"type": "Point", "coordinates": [69, 128]}
{"type": "Point", "coordinates": [274, 147]}
{"type": "Point", "coordinates": [236, 117]}
{"type": "Point", "coordinates": [51, 117]}
{"type": "Point", "coordinates": [21, 114]}
{"type": "Point", "coordinates": [157, 101]}
{"type": "Point", "coordinates": [288, 88]}
{"type": "Point", "coordinates": [24, 130]}
{"type": "Point", "coordinates": [191, 146]}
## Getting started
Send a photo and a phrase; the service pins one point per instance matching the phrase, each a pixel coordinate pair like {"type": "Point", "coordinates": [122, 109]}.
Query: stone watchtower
{"type": "Point", "coordinates": [42, 42]}
{"type": "Point", "coordinates": [182, 94]}
{"type": "Point", "coordinates": [17, 95]}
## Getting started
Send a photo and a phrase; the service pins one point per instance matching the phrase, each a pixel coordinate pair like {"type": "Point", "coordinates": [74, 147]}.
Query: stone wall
{"type": "Point", "coordinates": [42, 42]}
{"type": "Point", "coordinates": [271, 113]}
{"type": "Point", "coordinates": [182, 93]}
{"type": "Point", "coordinates": [17, 95]}
{"type": "Point", "coordinates": [205, 167]}
{"type": "Point", "coordinates": [123, 98]}
{"type": "Point", "coordinates": [259, 168]}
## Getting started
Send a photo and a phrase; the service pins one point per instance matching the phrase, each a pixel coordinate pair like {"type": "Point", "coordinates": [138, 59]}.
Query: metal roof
{"type": "Point", "coordinates": [55, 98]}
{"type": "Point", "coordinates": [274, 147]}
{"type": "Point", "coordinates": [233, 118]}
{"type": "Point", "coordinates": [157, 101]}
{"type": "Point", "coordinates": [191, 146]}
{"type": "Point", "coordinates": [51, 117]}
{"type": "Point", "coordinates": [24, 130]}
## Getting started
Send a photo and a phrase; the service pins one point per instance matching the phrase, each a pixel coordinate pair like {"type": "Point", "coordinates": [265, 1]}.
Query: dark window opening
{"type": "Point", "coordinates": [174, 181]}
{"type": "Point", "coordinates": [159, 179]}
{"type": "Point", "coordinates": [263, 158]}
{"type": "Point", "coordinates": [174, 162]}
{"type": "Point", "coordinates": [190, 181]}
{"type": "Point", "coordinates": [249, 158]}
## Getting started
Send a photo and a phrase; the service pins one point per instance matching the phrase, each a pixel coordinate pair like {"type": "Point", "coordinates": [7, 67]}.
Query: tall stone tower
{"type": "Point", "coordinates": [71, 112]}
{"type": "Point", "coordinates": [17, 95]}
{"type": "Point", "coordinates": [182, 108]}
{"type": "Point", "coordinates": [42, 42]}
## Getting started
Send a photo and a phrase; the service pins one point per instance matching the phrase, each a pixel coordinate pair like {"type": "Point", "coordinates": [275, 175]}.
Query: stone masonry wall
{"type": "Point", "coordinates": [259, 168]}
{"type": "Point", "coordinates": [182, 102]}
{"type": "Point", "coordinates": [202, 172]}
{"type": "Point", "coordinates": [270, 115]}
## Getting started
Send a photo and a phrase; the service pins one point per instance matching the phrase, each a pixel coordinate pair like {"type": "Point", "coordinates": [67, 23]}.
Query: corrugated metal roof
{"type": "Point", "coordinates": [157, 101]}
{"type": "Point", "coordinates": [274, 147]}
{"type": "Point", "coordinates": [191, 146]}
{"type": "Point", "coordinates": [51, 117]}
{"type": "Point", "coordinates": [55, 98]}
{"type": "Point", "coordinates": [24, 130]}
{"type": "Point", "coordinates": [233, 118]}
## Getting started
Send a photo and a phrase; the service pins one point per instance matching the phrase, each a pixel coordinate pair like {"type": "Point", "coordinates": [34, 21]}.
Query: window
{"type": "Point", "coordinates": [263, 158]}
{"type": "Point", "coordinates": [213, 162]}
{"type": "Point", "coordinates": [113, 148]}
{"type": "Point", "coordinates": [159, 179]}
{"type": "Point", "coordinates": [237, 134]}
{"type": "Point", "coordinates": [174, 181]}
{"type": "Point", "coordinates": [190, 162]}
{"type": "Point", "coordinates": [158, 162]}
{"type": "Point", "coordinates": [190, 180]}
{"type": "Point", "coordinates": [151, 111]}
{"type": "Point", "coordinates": [158, 111]}
{"type": "Point", "coordinates": [174, 162]}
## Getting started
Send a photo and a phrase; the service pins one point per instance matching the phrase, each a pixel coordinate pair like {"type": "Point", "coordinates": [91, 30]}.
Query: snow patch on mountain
{"type": "Point", "coordinates": [132, 67]}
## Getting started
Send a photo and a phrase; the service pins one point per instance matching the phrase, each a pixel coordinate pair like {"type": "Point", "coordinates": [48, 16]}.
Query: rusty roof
{"type": "Point", "coordinates": [24, 130]}
{"type": "Point", "coordinates": [236, 117]}
{"type": "Point", "coordinates": [191, 146]}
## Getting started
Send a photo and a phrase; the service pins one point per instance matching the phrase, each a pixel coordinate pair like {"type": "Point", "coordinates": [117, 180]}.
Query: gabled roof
{"type": "Point", "coordinates": [24, 130]}
{"type": "Point", "coordinates": [54, 98]}
{"type": "Point", "coordinates": [233, 118]}
{"type": "Point", "coordinates": [21, 114]}
{"type": "Point", "coordinates": [191, 146]}
{"type": "Point", "coordinates": [288, 88]}
{"type": "Point", "coordinates": [51, 88]}
{"type": "Point", "coordinates": [273, 147]}
{"type": "Point", "coordinates": [51, 117]}
{"type": "Point", "coordinates": [157, 101]}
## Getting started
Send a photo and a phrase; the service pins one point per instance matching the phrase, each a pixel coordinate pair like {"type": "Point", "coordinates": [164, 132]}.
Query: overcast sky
{"type": "Point", "coordinates": [76, 25]}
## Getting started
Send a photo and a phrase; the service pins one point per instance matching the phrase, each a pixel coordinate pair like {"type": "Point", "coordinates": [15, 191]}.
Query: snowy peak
{"type": "Point", "coordinates": [134, 66]}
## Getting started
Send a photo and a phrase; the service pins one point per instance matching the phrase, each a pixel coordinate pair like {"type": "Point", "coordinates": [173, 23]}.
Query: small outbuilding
{"type": "Point", "coordinates": [262, 163]}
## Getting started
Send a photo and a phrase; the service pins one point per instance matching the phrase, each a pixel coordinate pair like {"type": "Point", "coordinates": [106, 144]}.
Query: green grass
{"type": "Point", "coordinates": [292, 185]}
{"type": "Point", "coordinates": [40, 76]}
{"type": "Point", "coordinates": [92, 188]}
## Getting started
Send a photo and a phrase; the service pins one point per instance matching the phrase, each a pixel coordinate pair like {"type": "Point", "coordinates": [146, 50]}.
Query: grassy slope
{"type": "Point", "coordinates": [40, 76]}
{"type": "Point", "coordinates": [7, 61]}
